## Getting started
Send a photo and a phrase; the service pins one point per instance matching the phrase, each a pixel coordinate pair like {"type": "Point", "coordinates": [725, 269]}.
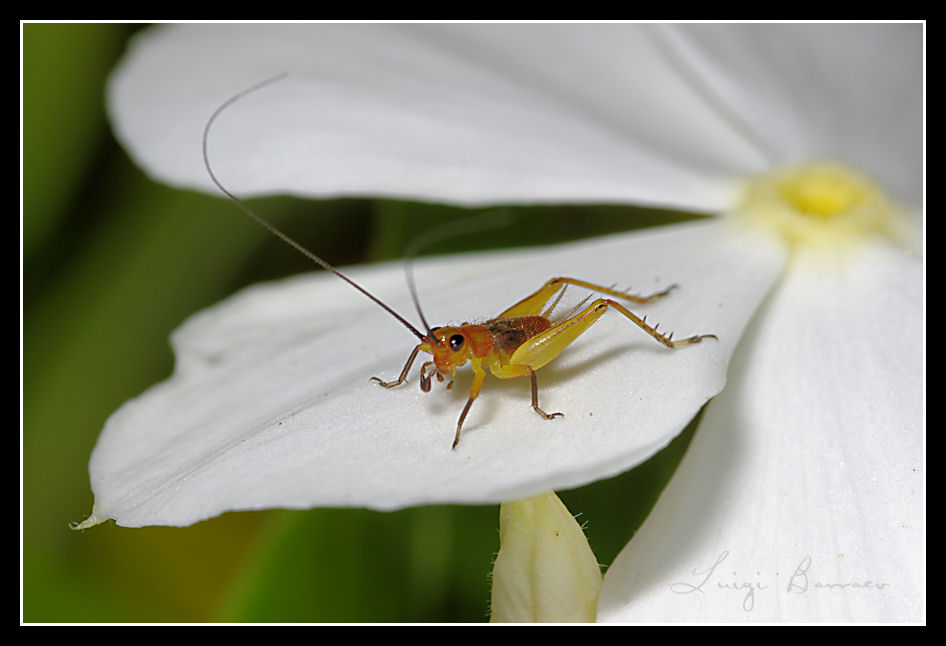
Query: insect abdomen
{"type": "Point", "coordinates": [509, 334]}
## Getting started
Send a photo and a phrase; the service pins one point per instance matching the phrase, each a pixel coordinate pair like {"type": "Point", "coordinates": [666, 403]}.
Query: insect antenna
{"type": "Point", "coordinates": [448, 230]}
{"type": "Point", "coordinates": [278, 233]}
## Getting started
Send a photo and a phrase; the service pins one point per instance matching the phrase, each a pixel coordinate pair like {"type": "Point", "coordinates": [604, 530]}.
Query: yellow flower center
{"type": "Point", "coordinates": [819, 203]}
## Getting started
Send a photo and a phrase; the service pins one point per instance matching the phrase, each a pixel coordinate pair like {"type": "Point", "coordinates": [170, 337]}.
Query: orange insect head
{"type": "Point", "coordinates": [454, 346]}
{"type": "Point", "coordinates": [451, 348]}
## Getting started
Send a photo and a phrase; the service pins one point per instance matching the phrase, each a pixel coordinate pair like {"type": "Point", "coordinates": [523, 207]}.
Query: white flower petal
{"type": "Point", "coordinates": [270, 403]}
{"type": "Point", "coordinates": [845, 92]}
{"type": "Point", "coordinates": [801, 496]}
{"type": "Point", "coordinates": [665, 115]}
{"type": "Point", "coordinates": [463, 113]}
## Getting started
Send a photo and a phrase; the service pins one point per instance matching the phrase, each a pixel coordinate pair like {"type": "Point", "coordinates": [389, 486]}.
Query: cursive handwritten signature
{"type": "Point", "coordinates": [713, 577]}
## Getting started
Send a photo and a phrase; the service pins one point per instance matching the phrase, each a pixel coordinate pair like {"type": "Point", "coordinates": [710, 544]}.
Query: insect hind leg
{"type": "Point", "coordinates": [542, 348]}
{"type": "Point", "coordinates": [610, 291]}
{"type": "Point", "coordinates": [641, 322]}
{"type": "Point", "coordinates": [535, 303]}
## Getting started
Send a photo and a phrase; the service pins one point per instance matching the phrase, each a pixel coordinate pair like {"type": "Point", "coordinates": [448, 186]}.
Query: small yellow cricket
{"type": "Point", "coordinates": [516, 343]}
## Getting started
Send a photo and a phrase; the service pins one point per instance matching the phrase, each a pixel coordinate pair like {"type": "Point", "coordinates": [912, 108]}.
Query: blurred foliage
{"type": "Point", "coordinates": [111, 263]}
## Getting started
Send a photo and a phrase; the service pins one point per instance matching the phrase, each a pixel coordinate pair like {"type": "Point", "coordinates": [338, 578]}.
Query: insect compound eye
{"type": "Point", "coordinates": [456, 342]}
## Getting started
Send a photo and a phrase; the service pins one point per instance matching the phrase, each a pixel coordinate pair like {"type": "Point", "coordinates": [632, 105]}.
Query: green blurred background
{"type": "Point", "coordinates": [111, 264]}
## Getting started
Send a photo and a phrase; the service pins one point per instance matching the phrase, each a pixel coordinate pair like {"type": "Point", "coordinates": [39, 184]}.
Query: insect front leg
{"type": "Point", "coordinates": [403, 376]}
{"type": "Point", "coordinates": [478, 375]}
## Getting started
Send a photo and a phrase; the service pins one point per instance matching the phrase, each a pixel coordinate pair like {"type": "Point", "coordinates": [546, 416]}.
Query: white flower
{"type": "Point", "coordinates": [812, 455]}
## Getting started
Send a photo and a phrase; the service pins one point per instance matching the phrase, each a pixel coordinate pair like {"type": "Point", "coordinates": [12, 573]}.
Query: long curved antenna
{"type": "Point", "coordinates": [272, 228]}
{"type": "Point", "coordinates": [448, 230]}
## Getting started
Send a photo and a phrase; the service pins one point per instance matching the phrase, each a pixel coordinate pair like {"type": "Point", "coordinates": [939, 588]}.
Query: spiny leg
{"type": "Point", "coordinates": [610, 291]}
{"type": "Point", "coordinates": [542, 348]}
{"type": "Point", "coordinates": [535, 303]}
{"type": "Point", "coordinates": [652, 331]}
